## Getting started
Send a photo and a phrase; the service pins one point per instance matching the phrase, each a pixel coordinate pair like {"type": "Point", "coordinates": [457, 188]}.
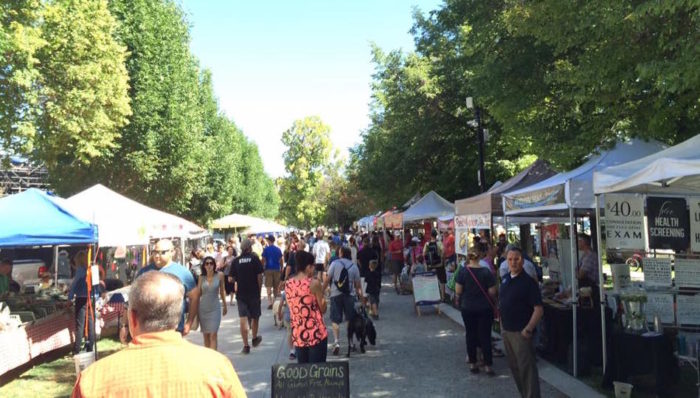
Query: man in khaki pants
{"type": "Point", "coordinates": [521, 310]}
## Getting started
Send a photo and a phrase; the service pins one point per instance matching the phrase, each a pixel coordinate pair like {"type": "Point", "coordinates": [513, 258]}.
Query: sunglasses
{"type": "Point", "coordinates": [161, 252]}
{"type": "Point", "coordinates": [208, 263]}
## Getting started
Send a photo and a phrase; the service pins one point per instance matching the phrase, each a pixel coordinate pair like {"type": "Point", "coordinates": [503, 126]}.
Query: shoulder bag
{"type": "Point", "coordinates": [496, 313]}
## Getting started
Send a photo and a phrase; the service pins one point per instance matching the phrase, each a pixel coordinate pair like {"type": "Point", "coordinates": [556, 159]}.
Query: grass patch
{"type": "Point", "coordinates": [54, 378]}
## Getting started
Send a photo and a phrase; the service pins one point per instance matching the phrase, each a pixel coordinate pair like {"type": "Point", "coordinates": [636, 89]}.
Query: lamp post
{"type": "Point", "coordinates": [480, 137]}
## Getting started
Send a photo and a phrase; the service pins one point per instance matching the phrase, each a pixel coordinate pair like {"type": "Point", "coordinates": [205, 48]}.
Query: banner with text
{"type": "Point", "coordinates": [479, 221]}
{"type": "Point", "coordinates": [624, 221]}
{"type": "Point", "coordinates": [461, 235]}
{"type": "Point", "coordinates": [694, 204]}
{"type": "Point", "coordinates": [668, 223]}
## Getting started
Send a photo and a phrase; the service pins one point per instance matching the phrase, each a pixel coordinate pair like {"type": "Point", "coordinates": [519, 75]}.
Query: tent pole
{"type": "Point", "coordinates": [55, 266]}
{"type": "Point", "coordinates": [574, 290]}
{"type": "Point", "coordinates": [603, 304]}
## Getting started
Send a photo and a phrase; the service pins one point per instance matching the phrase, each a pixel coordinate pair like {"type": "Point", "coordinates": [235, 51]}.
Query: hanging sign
{"type": "Point", "coordinates": [660, 305]}
{"type": "Point", "coordinates": [668, 223]}
{"type": "Point", "coordinates": [657, 272]}
{"type": "Point", "coordinates": [538, 198]}
{"type": "Point", "coordinates": [694, 204]}
{"type": "Point", "coordinates": [624, 221]}
{"type": "Point", "coordinates": [688, 309]}
{"type": "Point", "coordinates": [479, 221]}
{"type": "Point", "coordinates": [687, 272]}
{"type": "Point", "coordinates": [461, 235]}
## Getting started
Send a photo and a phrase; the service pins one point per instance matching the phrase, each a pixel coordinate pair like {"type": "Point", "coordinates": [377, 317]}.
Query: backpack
{"type": "Point", "coordinates": [432, 256]}
{"type": "Point", "coordinates": [343, 282]}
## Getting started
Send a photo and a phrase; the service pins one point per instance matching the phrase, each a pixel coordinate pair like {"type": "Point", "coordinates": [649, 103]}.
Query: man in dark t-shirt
{"type": "Point", "coordinates": [247, 272]}
{"type": "Point", "coordinates": [521, 310]}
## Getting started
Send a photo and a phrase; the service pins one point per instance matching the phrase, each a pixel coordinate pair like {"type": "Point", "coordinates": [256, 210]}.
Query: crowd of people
{"type": "Point", "coordinates": [304, 274]}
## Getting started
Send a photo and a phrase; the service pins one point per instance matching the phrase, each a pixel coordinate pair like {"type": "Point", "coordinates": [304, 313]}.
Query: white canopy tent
{"type": "Point", "coordinates": [572, 192]}
{"type": "Point", "coordinates": [248, 224]}
{"type": "Point", "coordinates": [429, 207]}
{"type": "Point", "coordinates": [125, 222]}
{"type": "Point", "coordinates": [673, 171]}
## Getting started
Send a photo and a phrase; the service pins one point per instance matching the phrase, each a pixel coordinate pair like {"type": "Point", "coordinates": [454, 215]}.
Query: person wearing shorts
{"type": "Point", "coordinates": [247, 273]}
{"type": "Point", "coordinates": [272, 261]}
{"type": "Point", "coordinates": [322, 253]}
{"type": "Point", "coordinates": [342, 304]}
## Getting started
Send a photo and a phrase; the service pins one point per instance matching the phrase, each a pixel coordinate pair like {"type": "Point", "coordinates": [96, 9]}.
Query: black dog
{"type": "Point", "coordinates": [363, 328]}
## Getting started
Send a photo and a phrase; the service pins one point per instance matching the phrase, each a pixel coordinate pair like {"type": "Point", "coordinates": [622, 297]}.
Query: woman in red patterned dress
{"type": "Point", "coordinates": [307, 304]}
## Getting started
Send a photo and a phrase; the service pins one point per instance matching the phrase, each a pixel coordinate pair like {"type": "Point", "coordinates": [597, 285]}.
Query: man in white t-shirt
{"type": "Point", "coordinates": [342, 303]}
{"type": "Point", "coordinates": [322, 253]}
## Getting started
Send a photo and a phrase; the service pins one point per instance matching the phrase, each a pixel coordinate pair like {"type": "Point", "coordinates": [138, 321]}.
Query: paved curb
{"type": "Point", "coordinates": [559, 379]}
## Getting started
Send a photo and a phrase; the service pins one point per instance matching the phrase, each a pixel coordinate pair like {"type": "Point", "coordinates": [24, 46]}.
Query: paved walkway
{"type": "Point", "coordinates": [414, 356]}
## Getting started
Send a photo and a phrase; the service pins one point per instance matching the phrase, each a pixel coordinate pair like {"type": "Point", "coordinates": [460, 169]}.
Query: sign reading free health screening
{"type": "Point", "coordinates": [624, 221]}
{"type": "Point", "coordinates": [669, 224]}
{"type": "Point", "coordinates": [320, 380]}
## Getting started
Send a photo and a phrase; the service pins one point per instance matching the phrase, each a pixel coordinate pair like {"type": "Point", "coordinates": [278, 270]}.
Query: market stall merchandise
{"type": "Point", "coordinates": [571, 193]}
{"type": "Point", "coordinates": [665, 187]}
{"type": "Point", "coordinates": [34, 218]}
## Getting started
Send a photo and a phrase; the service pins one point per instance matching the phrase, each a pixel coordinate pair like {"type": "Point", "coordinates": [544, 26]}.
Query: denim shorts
{"type": "Point", "coordinates": [342, 304]}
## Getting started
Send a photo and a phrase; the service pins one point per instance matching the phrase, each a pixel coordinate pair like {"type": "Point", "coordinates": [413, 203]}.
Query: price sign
{"type": "Point", "coordinates": [694, 224]}
{"type": "Point", "coordinates": [660, 305]}
{"type": "Point", "coordinates": [657, 272]}
{"type": "Point", "coordinates": [624, 221]}
{"type": "Point", "coordinates": [688, 309]}
{"type": "Point", "coordinates": [687, 273]}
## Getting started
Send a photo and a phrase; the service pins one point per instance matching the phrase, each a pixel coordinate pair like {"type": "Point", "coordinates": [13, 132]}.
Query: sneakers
{"type": "Point", "coordinates": [292, 356]}
{"type": "Point", "coordinates": [257, 341]}
{"type": "Point", "coordinates": [336, 349]}
{"type": "Point", "coordinates": [246, 349]}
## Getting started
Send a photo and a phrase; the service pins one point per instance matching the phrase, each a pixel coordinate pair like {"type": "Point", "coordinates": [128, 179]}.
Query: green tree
{"type": "Point", "coordinates": [161, 151]}
{"type": "Point", "coordinates": [308, 153]}
{"type": "Point", "coordinates": [65, 85]}
{"type": "Point", "coordinates": [257, 194]}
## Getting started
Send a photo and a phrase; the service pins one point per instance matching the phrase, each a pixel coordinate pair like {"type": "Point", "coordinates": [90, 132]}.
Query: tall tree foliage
{"type": "Point", "coordinates": [64, 81]}
{"type": "Point", "coordinates": [308, 153]}
{"type": "Point", "coordinates": [553, 80]}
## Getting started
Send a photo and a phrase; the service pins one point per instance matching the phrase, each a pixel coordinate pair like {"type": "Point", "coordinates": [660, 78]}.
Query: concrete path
{"type": "Point", "coordinates": [414, 356]}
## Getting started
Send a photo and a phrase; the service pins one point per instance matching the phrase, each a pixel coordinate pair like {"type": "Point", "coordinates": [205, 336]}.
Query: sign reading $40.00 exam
{"type": "Point", "coordinates": [624, 221]}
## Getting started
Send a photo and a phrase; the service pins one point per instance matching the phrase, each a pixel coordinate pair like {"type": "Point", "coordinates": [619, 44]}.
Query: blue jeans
{"type": "Point", "coordinates": [80, 312]}
{"type": "Point", "coordinates": [315, 353]}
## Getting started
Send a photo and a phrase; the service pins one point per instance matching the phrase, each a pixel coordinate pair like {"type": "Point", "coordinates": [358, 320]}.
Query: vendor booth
{"type": "Point", "coordinates": [36, 321]}
{"type": "Point", "coordinates": [663, 309]}
{"type": "Point", "coordinates": [128, 227]}
{"type": "Point", "coordinates": [478, 212]}
{"type": "Point", "coordinates": [571, 193]}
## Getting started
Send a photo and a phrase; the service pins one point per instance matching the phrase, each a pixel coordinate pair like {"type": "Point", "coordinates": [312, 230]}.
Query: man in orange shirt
{"type": "Point", "coordinates": [159, 362]}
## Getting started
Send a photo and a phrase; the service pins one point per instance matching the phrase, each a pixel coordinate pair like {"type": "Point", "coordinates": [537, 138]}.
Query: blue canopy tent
{"type": "Point", "coordinates": [33, 218]}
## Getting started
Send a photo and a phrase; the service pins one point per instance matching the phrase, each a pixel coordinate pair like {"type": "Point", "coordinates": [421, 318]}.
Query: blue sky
{"type": "Point", "coordinates": [274, 62]}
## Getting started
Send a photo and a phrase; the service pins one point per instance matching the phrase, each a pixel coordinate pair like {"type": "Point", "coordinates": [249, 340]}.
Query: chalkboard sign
{"type": "Point", "coordinates": [311, 380]}
{"type": "Point", "coordinates": [687, 273]}
{"type": "Point", "coordinates": [426, 290]}
{"type": "Point", "coordinates": [657, 272]}
{"type": "Point", "coordinates": [669, 224]}
{"type": "Point", "coordinates": [660, 305]}
{"type": "Point", "coordinates": [688, 309]}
